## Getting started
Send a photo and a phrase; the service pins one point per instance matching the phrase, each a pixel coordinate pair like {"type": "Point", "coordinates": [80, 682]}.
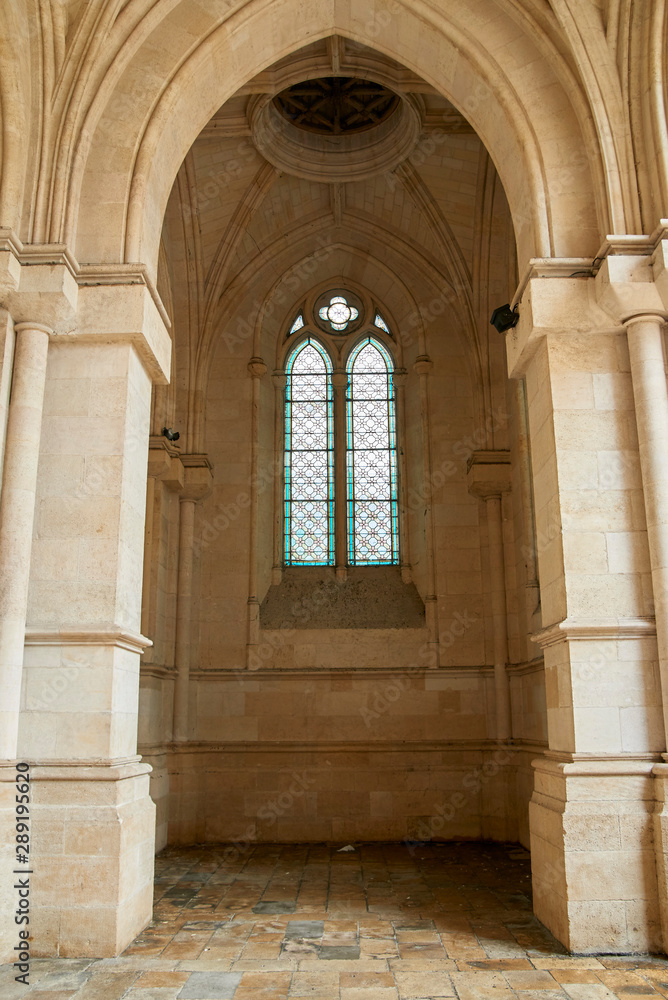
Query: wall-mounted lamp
{"type": "Point", "coordinates": [504, 318]}
{"type": "Point", "coordinates": [170, 434]}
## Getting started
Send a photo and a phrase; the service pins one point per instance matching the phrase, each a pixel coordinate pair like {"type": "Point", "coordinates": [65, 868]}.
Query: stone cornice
{"type": "Point", "coordinates": [530, 667]}
{"type": "Point", "coordinates": [156, 670]}
{"type": "Point", "coordinates": [45, 283]}
{"type": "Point", "coordinates": [242, 674]}
{"type": "Point", "coordinates": [30, 254]}
{"type": "Point", "coordinates": [198, 478]}
{"type": "Point", "coordinates": [112, 769]}
{"type": "Point", "coordinates": [489, 474]}
{"type": "Point", "coordinates": [595, 629]}
{"type": "Point", "coordinates": [553, 267]}
{"type": "Point", "coordinates": [345, 746]}
{"type": "Point", "coordinates": [573, 765]}
{"type": "Point", "coordinates": [122, 638]}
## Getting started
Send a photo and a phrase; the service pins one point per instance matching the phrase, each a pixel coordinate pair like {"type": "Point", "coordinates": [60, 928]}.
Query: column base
{"type": "Point", "coordinates": [92, 848]}
{"type": "Point", "coordinates": [592, 854]}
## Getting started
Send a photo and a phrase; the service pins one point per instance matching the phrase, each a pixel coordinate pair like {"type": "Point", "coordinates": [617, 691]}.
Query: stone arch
{"type": "Point", "coordinates": [390, 259]}
{"type": "Point", "coordinates": [151, 117]}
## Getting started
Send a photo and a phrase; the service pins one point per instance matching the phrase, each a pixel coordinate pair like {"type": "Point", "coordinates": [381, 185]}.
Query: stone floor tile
{"type": "Point", "coordinates": [150, 979]}
{"type": "Point", "coordinates": [275, 907]}
{"type": "Point", "coordinates": [494, 964]}
{"type": "Point", "coordinates": [421, 965]}
{"type": "Point", "coordinates": [319, 986]}
{"type": "Point", "coordinates": [304, 929]}
{"type": "Point", "coordinates": [424, 984]}
{"type": "Point", "coordinates": [107, 985]}
{"type": "Point", "coordinates": [625, 981]}
{"type": "Point", "coordinates": [565, 962]}
{"type": "Point", "coordinates": [210, 986]}
{"type": "Point", "coordinates": [64, 980]}
{"type": "Point", "coordinates": [366, 980]}
{"type": "Point", "coordinates": [334, 952]}
{"type": "Point", "coordinates": [534, 979]}
{"type": "Point", "coordinates": [369, 993]}
{"type": "Point", "coordinates": [542, 995]}
{"type": "Point", "coordinates": [588, 991]}
{"type": "Point", "coordinates": [42, 995]}
{"type": "Point", "coordinates": [379, 948]}
{"type": "Point", "coordinates": [153, 993]}
{"type": "Point", "coordinates": [575, 975]}
{"type": "Point", "coordinates": [262, 980]}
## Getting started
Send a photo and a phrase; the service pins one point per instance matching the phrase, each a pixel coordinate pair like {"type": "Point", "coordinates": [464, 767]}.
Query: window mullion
{"type": "Point", "coordinates": [340, 382]}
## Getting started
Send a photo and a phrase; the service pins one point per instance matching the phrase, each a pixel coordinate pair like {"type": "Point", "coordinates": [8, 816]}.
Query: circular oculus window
{"type": "Point", "coordinates": [336, 105]}
{"type": "Point", "coordinates": [336, 129]}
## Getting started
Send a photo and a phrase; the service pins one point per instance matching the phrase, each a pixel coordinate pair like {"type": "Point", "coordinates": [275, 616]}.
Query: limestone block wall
{"type": "Point", "coordinates": [372, 754]}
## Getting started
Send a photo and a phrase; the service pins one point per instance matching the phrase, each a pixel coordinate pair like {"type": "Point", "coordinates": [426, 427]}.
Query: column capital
{"type": "Point", "coordinates": [42, 290]}
{"type": "Point", "coordinates": [257, 368]}
{"type": "Point", "coordinates": [423, 365]}
{"type": "Point", "coordinates": [399, 377]}
{"type": "Point", "coordinates": [625, 284]}
{"type": "Point", "coordinates": [198, 478]}
{"type": "Point", "coordinates": [653, 315]}
{"type": "Point", "coordinates": [489, 474]}
{"type": "Point", "coordinates": [279, 378]}
{"type": "Point", "coordinates": [339, 378]}
{"type": "Point", "coordinates": [44, 283]}
{"type": "Point", "coordinates": [164, 463]}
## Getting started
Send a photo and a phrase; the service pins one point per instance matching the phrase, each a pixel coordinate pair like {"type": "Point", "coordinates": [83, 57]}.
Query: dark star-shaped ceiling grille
{"type": "Point", "coordinates": [336, 105]}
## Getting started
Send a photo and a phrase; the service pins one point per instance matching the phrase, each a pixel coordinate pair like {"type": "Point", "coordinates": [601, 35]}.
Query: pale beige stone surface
{"type": "Point", "coordinates": [157, 246]}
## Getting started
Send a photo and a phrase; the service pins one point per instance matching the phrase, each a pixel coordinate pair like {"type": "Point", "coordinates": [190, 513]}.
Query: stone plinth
{"type": "Point", "coordinates": [592, 854]}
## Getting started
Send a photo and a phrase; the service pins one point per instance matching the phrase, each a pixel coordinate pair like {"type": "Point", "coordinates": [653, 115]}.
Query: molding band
{"type": "Point", "coordinates": [135, 642]}
{"type": "Point", "coordinates": [593, 629]}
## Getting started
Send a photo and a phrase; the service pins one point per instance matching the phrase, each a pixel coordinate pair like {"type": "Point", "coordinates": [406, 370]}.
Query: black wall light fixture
{"type": "Point", "coordinates": [504, 318]}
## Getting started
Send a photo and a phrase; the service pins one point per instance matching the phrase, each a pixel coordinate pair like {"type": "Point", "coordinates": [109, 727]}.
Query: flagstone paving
{"type": "Point", "coordinates": [382, 922]}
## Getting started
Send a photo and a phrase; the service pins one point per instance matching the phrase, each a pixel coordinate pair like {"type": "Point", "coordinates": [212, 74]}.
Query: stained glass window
{"type": "Point", "coordinates": [309, 457]}
{"type": "Point", "coordinates": [338, 313]}
{"type": "Point", "coordinates": [380, 323]}
{"type": "Point", "coordinates": [297, 325]}
{"type": "Point", "coordinates": [371, 457]}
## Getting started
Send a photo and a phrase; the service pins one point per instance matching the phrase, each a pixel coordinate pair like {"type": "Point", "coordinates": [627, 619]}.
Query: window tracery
{"type": "Point", "coordinates": [340, 401]}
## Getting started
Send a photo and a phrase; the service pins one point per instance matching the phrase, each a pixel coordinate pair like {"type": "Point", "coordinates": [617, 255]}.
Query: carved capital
{"type": "Point", "coordinates": [257, 368]}
{"type": "Point", "coordinates": [399, 377]}
{"type": "Point", "coordinates": [625, 287]}
{"type": "Point", "coordinates": [423, 365]}
{"type": "Point", "coordinates": [489, 474]}
{"type": "Point", "coordinates": [198, 477]}
{"type": "Point", "coordinates": [164, 463]}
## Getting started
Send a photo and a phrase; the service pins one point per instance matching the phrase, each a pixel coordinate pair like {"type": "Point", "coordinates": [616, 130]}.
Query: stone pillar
{"type": "Point", "coordinates": [92, 821]}
{"type": "Point", "coordinates": [257, 370]}
{"type": "Point", "coordinates": [489, 478]}
{"type": "Point", "coordinates": [17, 509]}
{"type": "Point", "coordinates": [340, 384]}
{"type": "Point", "coordinates": [280, 381]}
{"type": "Point", "coordinates": [197, 485]}
{"type": "Point", "coordinates": [650, 392]}
{"type": "Point", "coordinates": [158, 620]}
{"type": "Point", "coordinates": [423, 366]}
{"type": "Point", "coordinates": [399, 379]}
{"type": "Point", "coordinates": [591, 814]}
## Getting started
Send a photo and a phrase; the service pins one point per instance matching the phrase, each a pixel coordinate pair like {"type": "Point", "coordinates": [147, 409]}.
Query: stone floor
{"type": "Point", "coordinates": [381, 922]}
